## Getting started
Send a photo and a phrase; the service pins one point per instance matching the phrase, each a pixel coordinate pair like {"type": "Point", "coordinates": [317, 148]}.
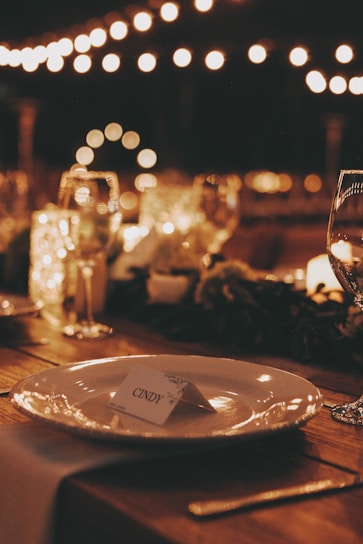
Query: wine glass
{"type": "Point", "coordinates": [345, 250]}
{"type": "Point", "coordinates": [219, 211]}
{"type": "Point", "coordinates": [89, 229]}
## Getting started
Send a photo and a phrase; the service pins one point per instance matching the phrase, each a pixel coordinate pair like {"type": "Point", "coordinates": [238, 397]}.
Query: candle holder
{"type": "Point", "coordinates": [53, 273]}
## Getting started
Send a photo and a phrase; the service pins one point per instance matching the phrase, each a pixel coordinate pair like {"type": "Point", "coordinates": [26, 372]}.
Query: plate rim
{"type": "Point", "coordinates": [26, 307]}
{"type": "Point", "coordinates": [116, 437]}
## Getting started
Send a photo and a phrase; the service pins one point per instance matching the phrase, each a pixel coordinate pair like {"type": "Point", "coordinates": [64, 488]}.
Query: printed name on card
{"type": "Point", "coordinates": [152, 395]}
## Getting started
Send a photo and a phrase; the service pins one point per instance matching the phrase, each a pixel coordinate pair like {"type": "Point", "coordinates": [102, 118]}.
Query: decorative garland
{"type": "Point", "coordinates": [232, 305]}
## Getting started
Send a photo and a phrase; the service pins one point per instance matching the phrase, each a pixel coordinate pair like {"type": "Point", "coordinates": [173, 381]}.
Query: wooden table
{"type": "Point", "coordinates": [146, 502]}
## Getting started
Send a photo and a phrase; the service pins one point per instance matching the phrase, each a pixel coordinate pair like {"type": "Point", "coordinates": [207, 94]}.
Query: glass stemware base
{"type": "Point", "coordinates": [87, 330]}
{"type": "Point", "coordinates": [349, 412]}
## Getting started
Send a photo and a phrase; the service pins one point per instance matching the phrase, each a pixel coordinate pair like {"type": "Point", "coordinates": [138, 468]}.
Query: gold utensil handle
{"type": "Point", "coordinates": [213, 507]}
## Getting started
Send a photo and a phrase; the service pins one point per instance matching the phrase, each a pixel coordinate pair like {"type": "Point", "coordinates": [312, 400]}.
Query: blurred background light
{"type": "Point", "coordinates": [118, 30]}
{"type": "Point", "coordinates": [113, 132]}
{"type": "Point", "coordinates": [257, 54]}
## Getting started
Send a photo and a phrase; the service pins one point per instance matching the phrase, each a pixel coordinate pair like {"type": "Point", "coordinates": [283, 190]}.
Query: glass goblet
{"type": "Point", "coordinates": [345, 251]}
{"type": "Point", "coordinates": [219, 212]}
{"type": "Point", "coordinates": [89, 230]}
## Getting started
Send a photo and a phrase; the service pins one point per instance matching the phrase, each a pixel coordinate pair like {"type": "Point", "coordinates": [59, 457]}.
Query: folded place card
{"type": "Point", "coordinates": [153, 395]}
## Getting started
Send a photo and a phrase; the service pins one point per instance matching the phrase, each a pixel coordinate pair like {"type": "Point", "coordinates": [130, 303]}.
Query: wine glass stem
{"type": "Point", "coordinates": [87, 274]}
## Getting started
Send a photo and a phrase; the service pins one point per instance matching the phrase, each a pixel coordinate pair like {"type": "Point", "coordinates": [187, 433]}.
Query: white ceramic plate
{"type": "Point", "coordinates": [250, 399]}
{"type": "Point", "coordinates": [17, 305]}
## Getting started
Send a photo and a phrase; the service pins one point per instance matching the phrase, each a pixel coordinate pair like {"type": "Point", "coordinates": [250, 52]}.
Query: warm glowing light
{"type": "Point", "coordinates": [82, 195]}
{"type": "Point", "coordinates": [55, 63]}
{"type": "Point", "coordinates": [169, 12]}
{"type": "Point", "coordinates": [30, 65]}
{"type": "Point", "coordinates": [82, 43]}
{"type": "Point", "coordinates": [338, 85]}
{"type": "Point", "coordinates": [168, 227]}
{"type": "Point", "coordinates": [342, 250]}
{"type": "Point", "coordinates": [147, 158]}
{"type": "Point", "coordinates": [128, 200]}
{"type": "Point", "coordinates": [40, 53]}
{"type": "Point", "coordinates": [142, 21]}
{"type": "Point", "coordinates": [53, 49]}
{"type": "Point", "coordinates": [298, 56]}
{"type": "Point", "coordinates": [85, 155]}
{"type": "Point", "coordinates": [145, 181]}
{"type": "Point", "coordinates": [29, 60]}
{"type": "Point", "coordinates": [257, 54]}
{"type": "Point", "coordinates": [14, 58]}
{"type": "Point", "coordinates": [316, 81]}
{"type": "Point", "coordinates": [130, 140]}
{"type": "Point", "coordinates": [146, 62]}
{"type": "Point", "coordinates": [65, 47]}
{"type": "Point", "coordinates": [95, 138]}
{"type": "Point", "coordinates": [203, 5]}
{"type": "Point", "coordinates": [111, 62]}
{"type": "Point", "coordinates": [344, 54]}
{"type": "Point", "coordinates": [98, 37]}
{"type": "Point", "coordinates": [319, 271]}
{"type": "Point", "coordinates": [214, 60]}
{"type": "Point", "coordinates": [4, 55]}
{"type": "Point", "coordinates": [285, 183]}
{"type": "Point", "coordinates": [82, 64]}
{"type": "Point", "coordinates": [118, 30]}
{"type": "Point", "coordinates": [313, 183]}
{"type": "Point", "coordinates": [266, 182]}
{"type": "Point", "coordinates": [356, 85]}
{"type": "Point", "coordinates": [182, 57]}
{"type": "Point", "coordinates": [234, 181]}
{"type": "Point", "coordinates": [113, 132]}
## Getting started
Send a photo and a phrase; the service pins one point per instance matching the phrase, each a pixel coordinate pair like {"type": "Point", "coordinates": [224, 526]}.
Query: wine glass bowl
{"type": "Point", "coordinates": [345, 252]}
{"type": "Point", "coordinates": [219, 209]}
{"type": "Point", "coordinates": [89, 229]}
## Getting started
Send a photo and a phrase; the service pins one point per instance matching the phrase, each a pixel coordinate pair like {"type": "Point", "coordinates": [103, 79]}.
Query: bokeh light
{"type": "Point", "coordinates": [98, 37]}
{"type": "Point", "coordinates": [298, 56]}
{"type": "Point", "coordinates": [338, 85]}
{"type": "Point", "coordinates": [111, 62]}
{"type": "Point", "coordinates": [182, 57]}
{"type": "Point", "coordinates": [169, 12]}
{"type": "Point", "coordinates": [356, 85]}
{"type": "Point", "coordinates": [82, 64]}
{"type": "Point", "coordinates": [142, 21]}
{"type": "Point", "coordinates": [65, 46]}
{"type": "Point", "coordinates": [203, 5]}
{"type": "Point", "coordinates": [147, 158]}
{"type": "Point", "coordinates": [82, 43]}
{"type": "Point", "coordinates": [214, 60]}
{"type": "Point", "coordinates": [344, 54]}
{"type": "Point", "coordinates": [145, 181]}
{"type": "Point", "coordinates": [95, 138]}
{"type": "Point", "coordinates": [128, 200]}
{"type": "Point", "coordinates": [113, 132]}
{"type": "Point", "coordinates": [130, 140]}
{"type": "Point", "coordinates": [316, 81]}
{"type": "Point", "coordinates": [118, 30]}
{"type": "Point", "coordinates": [85, 155]}
{"type": "Point", "coordinates": [257, 54]}
{"type": "Point", "coordinates": [313, 183]}
{"type": "Point", "coordinates": [55, 63]}
{"type": "Point", "coordinates": [146, 62]}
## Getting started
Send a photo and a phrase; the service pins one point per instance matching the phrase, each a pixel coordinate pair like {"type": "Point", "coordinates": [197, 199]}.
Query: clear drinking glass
{"type": "Point", "coordinates": [89, 230]}
{"type": "Point", "coordinates": [219, 211]}
{"type": "Point", "coordinates": [345, 250]}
